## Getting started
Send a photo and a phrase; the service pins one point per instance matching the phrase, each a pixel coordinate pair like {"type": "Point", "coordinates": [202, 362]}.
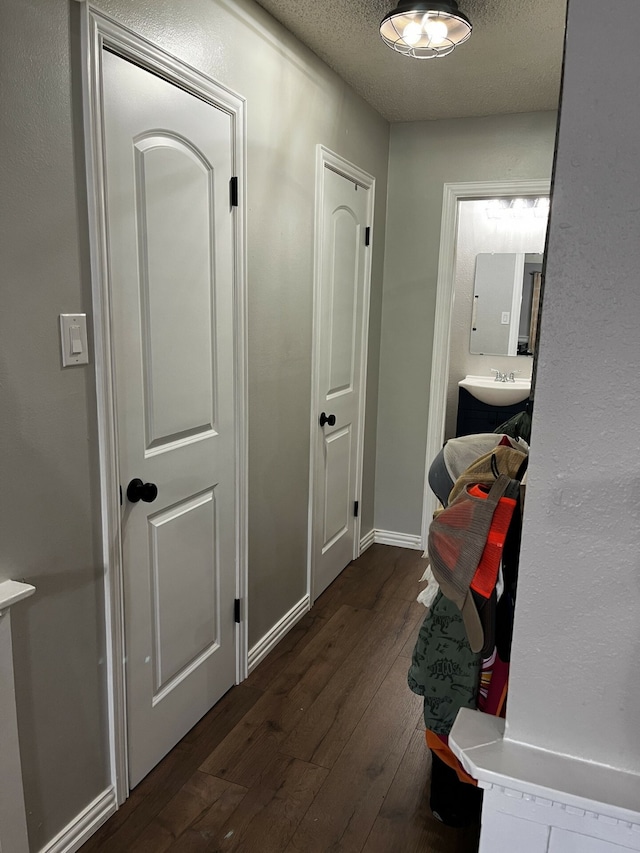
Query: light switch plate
{"type": "Point", "coordinates": [73, 339]}
{"type": "Point", "coordinates": [505, 318]}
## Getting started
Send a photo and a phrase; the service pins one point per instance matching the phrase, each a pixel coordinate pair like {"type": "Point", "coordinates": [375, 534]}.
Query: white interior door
{"type": "Point", "coordinates": [343, 276]}
{"type": "Point", "coordinates": [168, 163]}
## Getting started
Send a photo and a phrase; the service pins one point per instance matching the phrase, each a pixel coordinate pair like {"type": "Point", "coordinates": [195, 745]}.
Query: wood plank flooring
{"type": "Point", "coordinates": [320, 749]}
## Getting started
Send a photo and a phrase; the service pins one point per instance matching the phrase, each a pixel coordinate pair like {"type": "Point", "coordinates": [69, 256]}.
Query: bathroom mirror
{"type": "Point", "coordinates": [506, 300]}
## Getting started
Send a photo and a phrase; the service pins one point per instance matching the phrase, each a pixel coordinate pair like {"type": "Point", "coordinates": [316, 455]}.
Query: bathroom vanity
{"type": "Point", "coordinates": [474, 416]}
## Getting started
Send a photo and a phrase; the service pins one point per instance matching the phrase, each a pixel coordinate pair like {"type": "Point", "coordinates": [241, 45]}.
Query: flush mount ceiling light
{"type": "Point", "coordinates": [425, 30]}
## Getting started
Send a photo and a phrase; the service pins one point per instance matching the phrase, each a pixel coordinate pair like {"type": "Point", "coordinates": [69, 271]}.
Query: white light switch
{"type": "Point", "coordinates": [505, 318]}
{"type": "Point", "coordinates": [76, 341]}
{"type": "Point", "coordinates": [73, 336]}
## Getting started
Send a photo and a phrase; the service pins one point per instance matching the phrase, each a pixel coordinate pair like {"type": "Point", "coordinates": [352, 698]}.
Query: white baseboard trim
{"type": "Point", "coordinates": [401, 540]}
{"type": "Point", "coordinates": [275, 634]}
{"type": "Point", "coordinates": [367, 540]}
{"type": "Point", "coordinates": [83, 825]}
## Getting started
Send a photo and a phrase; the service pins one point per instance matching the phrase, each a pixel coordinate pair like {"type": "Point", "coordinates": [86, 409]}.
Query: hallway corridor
{"type": "Point", "coordinates": [320, 749]}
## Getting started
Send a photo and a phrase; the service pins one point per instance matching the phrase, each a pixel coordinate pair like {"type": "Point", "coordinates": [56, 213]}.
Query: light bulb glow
{"type": "Point", "coordinates": [436, 31]}
{"type": "Point", "coordinates": [495, 208]}
{"type": "Point", "coordinates": [423, 32]}
{"type": "Point", "coordinates": [412, 33]}
{"type": "Point", "coordinates": [522, 208]}
{"type": "Point", "coordinates": [541, 207]}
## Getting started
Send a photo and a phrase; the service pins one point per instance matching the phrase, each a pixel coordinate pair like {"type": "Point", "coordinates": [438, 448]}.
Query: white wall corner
{"type": "Point", "coordinates": [275, 634]}
{"type": "Point", "coordinates": [13, 821]}
{"type": "Point", "coordinates": [83, 826]}
{"type": "Point", "coordinates": [538, 801]}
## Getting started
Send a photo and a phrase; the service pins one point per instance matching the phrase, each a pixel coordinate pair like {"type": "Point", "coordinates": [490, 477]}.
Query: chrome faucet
{"type": "Point", "coordinates": [504, 377]}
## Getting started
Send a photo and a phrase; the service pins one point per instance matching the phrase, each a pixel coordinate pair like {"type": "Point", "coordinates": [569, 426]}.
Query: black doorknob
{"type": "Point", "coordinates": [139, 491]}
{"type": "Point", "coordinates": [327, 419]}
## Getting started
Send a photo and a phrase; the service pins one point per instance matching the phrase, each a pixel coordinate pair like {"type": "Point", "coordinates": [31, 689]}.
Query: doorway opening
{"type": "Point", "coordinates": [453, 196]}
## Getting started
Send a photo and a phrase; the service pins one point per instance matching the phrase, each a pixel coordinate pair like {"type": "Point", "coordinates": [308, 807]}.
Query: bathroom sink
{"type": "Point", "coordinates": [487, 390]}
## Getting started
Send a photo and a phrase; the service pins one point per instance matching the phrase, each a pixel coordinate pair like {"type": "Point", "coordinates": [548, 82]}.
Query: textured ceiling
{"type": "Point", "coordinates": [511, 63]}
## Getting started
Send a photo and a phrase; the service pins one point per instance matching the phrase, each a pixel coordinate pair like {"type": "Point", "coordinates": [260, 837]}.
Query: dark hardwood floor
{"type": "Point", "coordinates": [320, 749]}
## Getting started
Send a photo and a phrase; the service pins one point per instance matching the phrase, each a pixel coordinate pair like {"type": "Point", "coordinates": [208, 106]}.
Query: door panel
{"type": "Point", "coordinates": [184, 604]}
{"type": "Point", "coordinates": [337, 488]}
{"type": "Point", "coordinates": [338, 347]}
{"type": "Point", "coordinates": [344, 300]}
{"type": "Point", "coordinates": [174, 210]}
{"type": "Point", "coordinates": [170, 226]}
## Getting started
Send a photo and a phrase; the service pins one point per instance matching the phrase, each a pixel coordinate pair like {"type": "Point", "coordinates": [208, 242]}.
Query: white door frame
{"type": "Point", "coordinates": [452, 194]}
{"type": "Point", "coordinates": [327, 159]}
{"type": "Point", "coordinates": [98, 32]}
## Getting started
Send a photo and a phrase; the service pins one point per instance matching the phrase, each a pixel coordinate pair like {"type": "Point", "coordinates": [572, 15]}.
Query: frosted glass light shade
{"type": "Point", "coordinates": [425, 30]}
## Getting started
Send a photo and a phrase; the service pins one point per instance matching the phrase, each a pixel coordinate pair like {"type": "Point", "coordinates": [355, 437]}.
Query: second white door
{"type": "Point", "coordinates": [341, 304]}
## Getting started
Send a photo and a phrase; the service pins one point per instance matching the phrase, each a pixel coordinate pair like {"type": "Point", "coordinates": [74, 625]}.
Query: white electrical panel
{"type": "Point", "coordinates": [73, 337]}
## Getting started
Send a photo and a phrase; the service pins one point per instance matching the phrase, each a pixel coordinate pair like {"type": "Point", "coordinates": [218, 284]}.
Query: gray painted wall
{"type": "Point", "coordinates": [575, 682]}
{"type": "Point", "coordinates": [49, 485]}
{"type": "Point", "coordinates": [423, 157]}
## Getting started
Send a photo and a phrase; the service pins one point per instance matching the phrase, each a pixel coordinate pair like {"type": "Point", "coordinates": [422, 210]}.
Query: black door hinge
{"type": "Point", "coordinates": [367, 235]}
{"type": "Point", "coordinates": [356, 508]}
{"type": "Point", "coordinates": [120, 495]}
{"type": "Point", "coordinates": [233, 191]}
{"type": "Point", "coordinates": [236, 610]}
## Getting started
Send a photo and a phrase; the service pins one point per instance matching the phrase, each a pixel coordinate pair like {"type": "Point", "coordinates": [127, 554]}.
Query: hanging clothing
{"type": "Point", "coordinates": [444, 670]}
